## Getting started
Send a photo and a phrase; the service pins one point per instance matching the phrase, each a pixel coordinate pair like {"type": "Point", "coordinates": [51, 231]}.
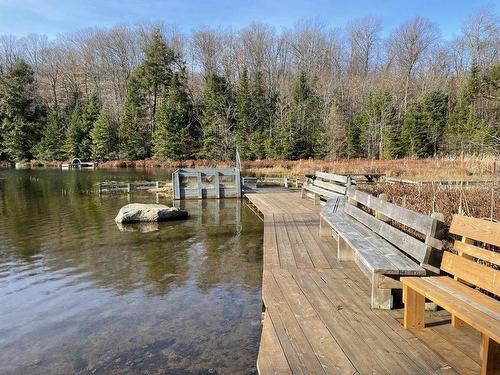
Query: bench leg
{"type": "Point", "coordinates": [324, 228]}
{"type": "Point", "coordinates": [457, 322]}
{"type": "Point", "coordinates": [490, 356]}
{"type": "Point", "coordinates": [381, 297]}
{"type": "Point", "coordinates": [317, 198]}
{"type": "Point", "coordinates": [344, 251]}
{"type": "Point", "coordinates": [414, 308]}
{"type": "Point", "coordinates": [303, 194]}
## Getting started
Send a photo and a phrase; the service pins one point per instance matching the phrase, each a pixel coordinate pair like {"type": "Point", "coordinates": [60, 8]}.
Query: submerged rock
{"type": "Point", "coordinates": [140, 212]}
{"type": "Point", "coordinates": [146, 227]}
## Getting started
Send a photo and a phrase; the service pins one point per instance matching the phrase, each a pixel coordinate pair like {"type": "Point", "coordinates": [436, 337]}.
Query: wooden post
{"type": "Point", "coordinates": [175, 185]}
{"type": "Point", "coordinates": [217, 185]}
{"type": "Point", "coordinates": [344, 251]}
{"type": "Point", "coordinates": [414, 308]}
{"type": "Point", "coordinates": [490, 356]}
{"type": "Point", "coordinates": [128, 188]}
{"type": "Point", "coordinates": [324, 228]}
{"type": "Point", "coordinates": [237, 178]}
{"type": "Point", "coordinates": [157, 184]}
{"type": "Point", "coordinates": [317, 198]}
{"type": "Point", "coordinates": [100, 189]}
{"type": "Point", "coordinates": [286, 182]}
{"type": "Point", "coordinates": [200, 190]}
{"type": "Point", "coordinates": [381, 298]}
{"type": "Point", "coordinates": [379, 215]}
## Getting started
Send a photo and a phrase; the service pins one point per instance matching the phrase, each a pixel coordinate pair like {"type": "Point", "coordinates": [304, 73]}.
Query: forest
{"type": "Point", "coordinates": [309, 92]}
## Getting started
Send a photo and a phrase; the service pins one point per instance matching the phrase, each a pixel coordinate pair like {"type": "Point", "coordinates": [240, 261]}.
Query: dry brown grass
{"type": "Point", "coordinates": [465, 168]}
{"type": "Point", "coordinates": [469, 168]}
{"type": "Point", "coordinates": [478, 201]}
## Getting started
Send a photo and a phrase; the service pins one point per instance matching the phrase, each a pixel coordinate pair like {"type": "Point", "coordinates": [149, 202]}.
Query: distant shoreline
{"type": "Point", "coordinates": [460, 168]}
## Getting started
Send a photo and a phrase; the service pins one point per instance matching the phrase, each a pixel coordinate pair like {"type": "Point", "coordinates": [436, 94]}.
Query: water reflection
{"type": "Point", "coordinates": [80, 296]}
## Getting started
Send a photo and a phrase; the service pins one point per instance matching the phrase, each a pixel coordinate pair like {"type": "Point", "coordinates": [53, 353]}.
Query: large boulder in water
{"type": "Point", "coordinates": [140, 212]}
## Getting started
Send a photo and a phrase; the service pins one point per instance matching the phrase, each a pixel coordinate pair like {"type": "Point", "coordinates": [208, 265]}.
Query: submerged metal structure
{"type": "Point", "coordinates": [202, 183]}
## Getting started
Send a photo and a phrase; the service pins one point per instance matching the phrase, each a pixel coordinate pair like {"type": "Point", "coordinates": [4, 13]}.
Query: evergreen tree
{"type": "Point", "coordinates": [74, 100]}
{"type": "Point", "coordinates": [378, 129]}
{"type": "Point", "coordinates": [436, 112]}
{"type": "Point", "coordinates": [103, 136]}
{"type": "Point", "coordinates": [261, 108]}
{"type": "Point", "coordinates": [217, 120]}
{"type": "Point", "coordinates": [466, 131]}
{"type": "Point", "coordinates": [302, 133]}
{"type": "Point", "coordinates": [155, 72]}
{"type": "Point", "coordinates": [74, 134]}
{"type": "Point", "coordinates": [413, 133]}
{"type": "Point", "coordinates": [90, 114]}
{"type": "Point", "coordinates": [244, 118]}
{"type": "Point", "coordinates": [353, 133]}
{"type": "Point", "coordinates": [21, 111]}
{"type": "Point", "coordinates": [172, 137]}
{"type": "Point", "coordinates": [50, 146]}
{"type": "Point", "coordinates": [131, 132]}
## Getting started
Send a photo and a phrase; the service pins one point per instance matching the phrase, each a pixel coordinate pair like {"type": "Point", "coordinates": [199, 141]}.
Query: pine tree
{"type": "Point", "coordinates": [172, 137]}
{"type": "Point", "coordinates": [353, 134]}
{"type": "Point", "coordinates": [413, 133]}
{"type": "Point", "coordinates": [90, 114]}
{"type": "Point", "coordinates": [436, 112]}
{"type": "Point", "coordinates": [302, 133]}
{"type": "Point", "coordinates": [244, 118]}
{"type": "Point", "coordinates": [103, 136]}
{"type": "Point", "coordinates": [466, 131]}
{"type": "Point", "coordinates": [155, 72]}
{"type": "Point", "coordinates": [50, 147]}
{"type": "Point", "coordinates": [132, 135]}
{"type": "Point", "coordinates": [21, 111]}
{"type": "Point", "coordinates": [261, 107]}
{"type": "Point", "coordinates": [378, 128]}
{"type": "Point", "coordinates": [74, 134]}
{"type": "Point", "coordinates": [217, 120]}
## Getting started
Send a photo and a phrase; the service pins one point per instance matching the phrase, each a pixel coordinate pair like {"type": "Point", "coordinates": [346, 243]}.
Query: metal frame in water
{"type": "Point", "coordinates": [201, 183]}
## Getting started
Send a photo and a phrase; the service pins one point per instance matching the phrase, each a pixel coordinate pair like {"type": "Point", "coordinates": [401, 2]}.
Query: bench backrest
{"type": "Point", "coordinates": [464, 266]}
{"type": "Point", "coordinates": [333, 182]}
{"type": "Point", "coordinates": [382, 216]}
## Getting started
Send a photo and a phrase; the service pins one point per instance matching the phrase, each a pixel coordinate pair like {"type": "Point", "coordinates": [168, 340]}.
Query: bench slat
{"type": "Point", "coordinates": [477, 252]}
{"type": "Point", "coordinates": [377, 254]}
{"type": "Point", "coordinates": [481, 298]}
{"type": "Point", "coordinates": [469, 298]}
{"type": "Point", "coordinates": [410, 245]}
{"type": "Point", "coordinates": [421, 223]}
{"type": "Point", "coordinates": [476, 229]}
{"type": "Point", "coordinates": [332, 177]}
{"type": "Point", "coordinates": [320, 191]}
{"type": "Point", "coordinates": [329, 186]}
{"type": "Point", "coordinates": [472, 272]}
{"type": "Point", "coordinates": [465, 311]}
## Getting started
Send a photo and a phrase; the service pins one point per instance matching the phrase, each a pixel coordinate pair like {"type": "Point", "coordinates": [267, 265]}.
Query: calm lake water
{"type": "Point", "coordinates": [79, 295]}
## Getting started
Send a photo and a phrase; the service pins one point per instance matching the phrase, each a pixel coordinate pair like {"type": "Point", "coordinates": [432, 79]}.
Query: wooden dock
{"type": "Point", "coordinates": [127, 187]}
{"type": "Point", "coordinates": [317, 317]}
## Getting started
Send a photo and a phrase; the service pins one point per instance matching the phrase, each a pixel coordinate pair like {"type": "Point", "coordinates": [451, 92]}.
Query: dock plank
{"type": "Point", "coordinates": [318, 318]}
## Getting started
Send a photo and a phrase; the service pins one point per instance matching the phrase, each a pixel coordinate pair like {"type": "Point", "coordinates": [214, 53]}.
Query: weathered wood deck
{"type": "Point", "coordinates": [317, 316]}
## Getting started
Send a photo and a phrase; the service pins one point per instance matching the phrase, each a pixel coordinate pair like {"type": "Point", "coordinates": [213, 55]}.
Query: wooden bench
{"type": "Point", "coordinates": [458, 295]}
{"type": "Point", "coordinates": [325, 185]}
{"type": "Point", "coordinates": [368, 230]}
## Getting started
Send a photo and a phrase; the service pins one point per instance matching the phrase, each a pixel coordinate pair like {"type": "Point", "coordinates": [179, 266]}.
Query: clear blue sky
{"type": "Point", "coordinates": [52, 17]}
